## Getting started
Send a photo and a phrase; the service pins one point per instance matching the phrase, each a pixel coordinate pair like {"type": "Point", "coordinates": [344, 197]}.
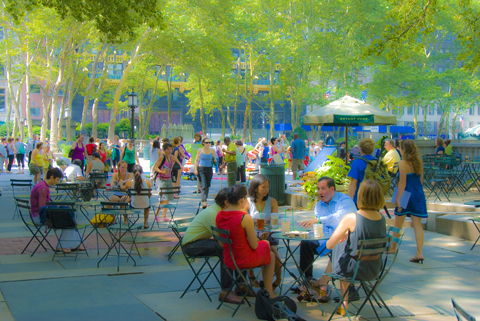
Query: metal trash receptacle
{"type": "Point", "coordinates": [276, 174]}
{"type": "Point", "coordinates": [146, 152]}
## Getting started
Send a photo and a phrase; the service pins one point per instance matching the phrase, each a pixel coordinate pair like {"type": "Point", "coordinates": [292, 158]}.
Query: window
{"type": "Point", "coordinates": [35, 111]}
{"type": "Point", "coordinates": [431, 110]}
{"type": "Point", "coordinates": [479, 110]}
{"type": "Point", "coordinates": [2, 99]}
{"type": "Point", "coordinates": [34, 89]}
{"type": "Point", "coordinates": [441, 69]}
{"type": "Point", "coordinates": [410, 110]}
{"type": "Point", "coordinates": [1, 33]}
{"type": "Point", "coordinates": [2, 71]}
{"type": "Point", "coordinates": [471, 111]}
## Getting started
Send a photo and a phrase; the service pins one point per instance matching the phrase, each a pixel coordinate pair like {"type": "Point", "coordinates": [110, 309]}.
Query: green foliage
{"type": "Point", "coordinates": [302, 134]}
{"type": "Point", "coordinates": [64, 148]}
{"type": "Point", "coordinates": [334, 168]}
{"type": "Point", "coordinates": [123, 125]}
{"type": "Point", "coordinates": [188, 147]}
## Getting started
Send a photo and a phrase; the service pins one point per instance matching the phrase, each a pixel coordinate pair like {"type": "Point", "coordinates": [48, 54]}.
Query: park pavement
{"type": "Point", "coordinates": [39, 288]}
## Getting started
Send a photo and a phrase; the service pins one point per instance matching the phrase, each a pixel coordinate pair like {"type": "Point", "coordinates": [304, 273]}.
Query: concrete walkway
{"type": "Point", "coordinates": [39, 288]}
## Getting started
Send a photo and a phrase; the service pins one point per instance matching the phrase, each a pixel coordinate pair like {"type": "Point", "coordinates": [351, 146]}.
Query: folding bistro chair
{"type": "Point", "coordinates": [67, 191]}
{"type": "Point", "coordinates": [20, 184]}
{"type": "Point", "coordinates": [164, 191]}
{"type": "Point", "coordinates": [61, 216]}
{"type": "Point", "coordinates": [144, 192]}
{"type": "Point", "coordinates": [460, 313]}
{"type": "Point", "coordinates": [178, 228]}
{"type": "Point", "coordinates": [118, 231]}
{"type": "Point", "coordinates": [191, 259]}
{"type": "Point", "coordinates": [34, 228]}
{"type": "Point", "coordinates": [223, 236]}
{"type": "Point", "coordinates": [371, 288]}
{"type": "Point", "coordinates": [365, 249]}
{"type": "Point", "coordinates": [99, 182]}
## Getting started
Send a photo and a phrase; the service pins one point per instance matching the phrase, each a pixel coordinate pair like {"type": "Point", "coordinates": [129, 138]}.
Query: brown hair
{"type": "Point", "coordinates": [447, 142]}
{"type": "Point", "coordinates": [137, 173]}
{"type": "Point", "coordinates": [370, 196]}
{"type": "Point", "coordinates": [39, 144]}
{"type": "Point", "coordinates": [410, 155]}
{"type": "Point", "coordinates": [176, 141]}
{"type": "Point", "coordinates": [439, 142]}
{"type": "Point", "coordinates": [367, 145]}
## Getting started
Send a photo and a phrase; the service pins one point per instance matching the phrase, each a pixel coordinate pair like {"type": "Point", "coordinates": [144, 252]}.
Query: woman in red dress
{"type": "Point", "coordinates": [248, 251]}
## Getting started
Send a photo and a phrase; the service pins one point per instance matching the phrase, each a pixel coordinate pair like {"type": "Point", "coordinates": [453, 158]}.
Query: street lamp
{"type": "Point", "coordinates": [263, 122]}
{"type": "Point", "coordinates": [133, 103]}
{"type": "Point", "coordinates": [68, 114]}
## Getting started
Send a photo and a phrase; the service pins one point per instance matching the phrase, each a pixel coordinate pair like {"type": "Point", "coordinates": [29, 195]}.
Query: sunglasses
{"type": "Point", "coordinates": [207, 142]}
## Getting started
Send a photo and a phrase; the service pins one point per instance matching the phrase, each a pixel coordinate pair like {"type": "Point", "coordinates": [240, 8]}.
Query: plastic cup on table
{"type": "Point", "coordinates": [260, 223]}
{"type": "Point", "coordinates": [285, 227]}
{"type": "Point", "coordinates": [318, 230]}
{"type": "Point", "coordinates": [274, 219]}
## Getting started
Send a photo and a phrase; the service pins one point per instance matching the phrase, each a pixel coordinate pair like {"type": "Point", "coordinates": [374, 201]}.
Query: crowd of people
{"type": "Point", "coordinates": [354, 215]}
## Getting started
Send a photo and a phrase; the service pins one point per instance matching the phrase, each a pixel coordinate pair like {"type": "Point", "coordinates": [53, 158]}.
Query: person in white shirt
{"type": "Point", "coordinates": [74, 171]}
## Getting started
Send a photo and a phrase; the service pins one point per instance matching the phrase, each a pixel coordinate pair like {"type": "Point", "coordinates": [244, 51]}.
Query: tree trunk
{"type": "Point", "coordinates": [425, 113]}
{"type": "Point", "coordinates": [150, 106]}
{"type": "Point", "coordinates": [415, 121]}
{"type": "Point", "coordinates": [202, 113]}
{"type": "Point", "coordinates": [89, 89]}
{"type": "Point", "coordinates": [454, 122]}
{"type": "Point", "coordinates": [292, 109]}
{"type": "Point", "coordinates": [272, 98]}
{"type": "Point", "coordinates": [27, 104]}
{"type": "Point", "coordinates": [46, 101]}
{"type": "Point", "coordinates": [169, 95]}
{"type": "Point", "coordinates": [220, 107]}
{"type": "Point", "coordinates": [121, 85]}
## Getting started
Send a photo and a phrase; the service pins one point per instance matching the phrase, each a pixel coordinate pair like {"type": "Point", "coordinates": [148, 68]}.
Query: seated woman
{"type": "Point", "coordinates": [366, 223]}
{"type": "Point", "coordinates": [69, 239]}
{"type": "Point", "coordinates": [120, 184]}
{"type": "Point", "coordinates": [247, 250]}
{"type": "Point", "coordinates": [140, 201]}
{"type": "Point", "coordinates": [95, 165]}
{"type": "Point", "coordinates": [259, 201]}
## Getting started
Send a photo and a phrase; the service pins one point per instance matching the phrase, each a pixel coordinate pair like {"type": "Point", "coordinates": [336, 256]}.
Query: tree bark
{"type": "Point", "coordinates": [202, 113]}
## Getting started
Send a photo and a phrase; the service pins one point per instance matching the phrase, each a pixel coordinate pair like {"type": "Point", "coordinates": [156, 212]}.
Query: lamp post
{"type": "Point", "coordinates": [68, 114]}
{"type": "Point", "coordinates": [263, 122]}
{"type": "Point", "coordinates": [133, 103]}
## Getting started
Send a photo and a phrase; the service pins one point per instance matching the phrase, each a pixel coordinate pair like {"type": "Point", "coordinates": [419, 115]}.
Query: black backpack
{"type": "Point", "coordinates": [265, 307]}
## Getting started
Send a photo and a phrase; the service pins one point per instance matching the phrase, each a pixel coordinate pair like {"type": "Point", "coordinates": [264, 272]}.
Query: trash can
{"type": "Point", "coordinates": [276, 175]}
{"type": "Point", "coordinates": [146, 152]}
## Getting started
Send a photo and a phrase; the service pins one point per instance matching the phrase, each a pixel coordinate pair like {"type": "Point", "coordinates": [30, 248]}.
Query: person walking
{"type": "Point", "coordinates": [298, 153]}
{"type": "Point", "coordinates": [36, 165]}
{"type": "Point", "coordinates": [116, 150]}
{"type": "Point", "coordinates": [3, 156]}
{"type": "Point", "coordinates": [411, 180]}
{"type": "Point", "coordinates": [79, 150]}
{"type": "Point", "coordinates": [203, 168]}
{"type": "Point", "coordinates": [130, 156]}
{"type": "Point", "coordinates": [21, 149]}
{"type": "Point", "coordinates": [241, 159]}
{"type": "Point", "coordinates": [10, 153]}
{"type": "Point", "coordinates": [230, 151]}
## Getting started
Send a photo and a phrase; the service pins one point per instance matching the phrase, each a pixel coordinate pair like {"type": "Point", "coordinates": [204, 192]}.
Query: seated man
{"type": "Point", "coordinates": [74, 171]}
{"type": "Point", "coordinates": [63, 162]}
{"type": "Point", "coordinates": [391, 157]}
{"type": "Point", "coordinates": [329, 211]}
{"type": "Point", "coordinates": [198, 240]}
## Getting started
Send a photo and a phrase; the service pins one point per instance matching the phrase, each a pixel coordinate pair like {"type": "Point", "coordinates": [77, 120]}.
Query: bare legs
{"type": "Point", "coordinates": [417, 228]}
{"type": "Point", "coordinates": [267, 274]}
{"type": "Point", "coordinates": [146, 212]}
{"type": "Point", "coordinates": [164, 216]}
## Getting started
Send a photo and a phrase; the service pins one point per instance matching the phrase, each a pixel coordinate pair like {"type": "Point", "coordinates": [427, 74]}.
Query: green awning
{"type": "Point", "coordinates": [349, 111]}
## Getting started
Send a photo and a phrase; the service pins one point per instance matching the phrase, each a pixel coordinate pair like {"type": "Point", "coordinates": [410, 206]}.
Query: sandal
{"type": "Point", "coordinates": [255, 282]}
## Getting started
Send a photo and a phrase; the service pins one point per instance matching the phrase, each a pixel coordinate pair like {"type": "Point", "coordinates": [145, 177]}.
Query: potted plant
{"type": "Point", "coordinates": [334, 168]}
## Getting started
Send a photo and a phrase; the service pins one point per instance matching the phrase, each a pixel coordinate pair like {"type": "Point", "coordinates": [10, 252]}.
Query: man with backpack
{"type": "Point", "coordinates": [367, 167]}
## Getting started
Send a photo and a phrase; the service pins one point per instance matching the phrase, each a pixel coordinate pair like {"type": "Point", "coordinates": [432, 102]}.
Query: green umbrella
{"type": "Point", "coordinates": [349, 111]}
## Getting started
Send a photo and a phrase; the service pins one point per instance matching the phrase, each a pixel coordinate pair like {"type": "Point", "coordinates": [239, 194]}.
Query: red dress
{"type": "Point", "coordinates": [243, 253]}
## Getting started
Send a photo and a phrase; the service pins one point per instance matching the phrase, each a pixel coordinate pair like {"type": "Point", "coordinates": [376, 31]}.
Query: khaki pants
{"type": "Point", "coordinates": [231, 173]}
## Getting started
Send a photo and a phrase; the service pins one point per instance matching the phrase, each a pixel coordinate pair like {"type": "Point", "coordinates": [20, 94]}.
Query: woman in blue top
{"type": "Point", "coordinates": [357, 169]}
{"type": "Point", "coordinates": [411, 180]}
{"type": "Point", "coordinates": [265, 150]}
{"type": "Point", "coordinates": [203, 168]}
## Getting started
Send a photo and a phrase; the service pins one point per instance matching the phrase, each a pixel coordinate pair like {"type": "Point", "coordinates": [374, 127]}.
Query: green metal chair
{"type": "Point", "coordinates": [460, 313]}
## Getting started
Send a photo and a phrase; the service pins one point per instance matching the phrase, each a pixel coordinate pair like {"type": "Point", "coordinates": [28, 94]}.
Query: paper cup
{"type": "Point", "coordinates": [318, 230]}
{"type": "Point", "coordinates": [274, 219]}
{"type": "Point", "coordinates": [285, 227]}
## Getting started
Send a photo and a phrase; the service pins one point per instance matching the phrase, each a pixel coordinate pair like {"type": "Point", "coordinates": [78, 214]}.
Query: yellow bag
{"type": "Point", "coordinates": [100, 220]}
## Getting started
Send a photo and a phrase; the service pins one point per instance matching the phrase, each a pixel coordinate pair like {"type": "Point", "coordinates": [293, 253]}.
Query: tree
{"type": "Point", "coordinates": [116, 21]}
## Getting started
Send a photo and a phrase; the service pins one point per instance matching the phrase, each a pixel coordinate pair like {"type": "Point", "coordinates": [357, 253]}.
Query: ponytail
{"type": "Point", "coordinates": [137, 173]}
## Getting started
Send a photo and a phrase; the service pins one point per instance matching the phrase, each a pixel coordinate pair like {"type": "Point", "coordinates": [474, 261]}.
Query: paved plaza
{"type": "Point", "coordinates": [39, 288]}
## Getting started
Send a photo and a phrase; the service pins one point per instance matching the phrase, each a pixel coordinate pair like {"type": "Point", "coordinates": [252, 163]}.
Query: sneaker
{"type": "Point", "coordinates": [157, 219]}
{"type": "Point", "coordinates": [165, 219]}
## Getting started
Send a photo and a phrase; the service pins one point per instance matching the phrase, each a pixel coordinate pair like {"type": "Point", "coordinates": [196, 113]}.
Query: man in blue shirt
{"type": "Point", "coordinates": [298, 153]}
{"type": "Point", "coordinates": [357, 169]}
{"type": "Point", "coordinates": [329, 211]}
